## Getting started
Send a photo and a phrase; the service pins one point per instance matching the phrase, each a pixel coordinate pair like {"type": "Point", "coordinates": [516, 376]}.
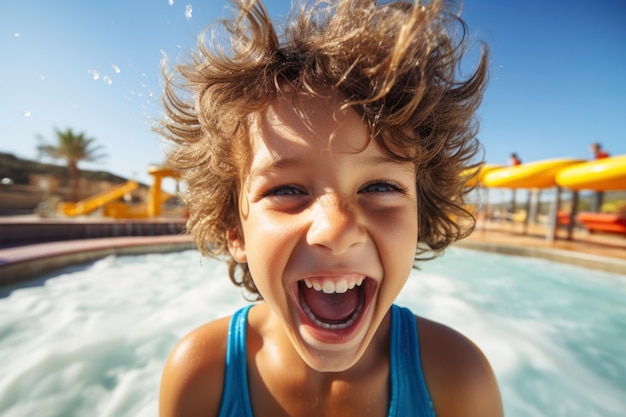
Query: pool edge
{"type": "Point", "coordinates": [28, 262]}
{"type": "Point", "coordinates": [586, 260]}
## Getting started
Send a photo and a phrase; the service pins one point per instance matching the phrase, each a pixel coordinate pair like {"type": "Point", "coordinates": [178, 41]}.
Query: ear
{"type": "Point", "coordinates": [236, 245]}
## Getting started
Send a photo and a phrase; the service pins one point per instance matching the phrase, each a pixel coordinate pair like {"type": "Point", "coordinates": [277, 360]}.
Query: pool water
{"type": "Point", "coordinates": [92, 340]}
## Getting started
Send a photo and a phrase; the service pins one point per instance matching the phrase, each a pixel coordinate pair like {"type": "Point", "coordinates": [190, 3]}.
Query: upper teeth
{"type": "Point", "coordinates": [330, 286]}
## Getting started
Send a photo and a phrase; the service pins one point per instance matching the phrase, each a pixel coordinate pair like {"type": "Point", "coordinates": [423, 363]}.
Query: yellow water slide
{"type": "Point", "coordinates": [477, 175]}
{"type": "Point", "coordinates": [92, 203]}
{"type": "Point", "coordinates": [600, 175]}
{"type": "Point", "coordinates": [537, 174]}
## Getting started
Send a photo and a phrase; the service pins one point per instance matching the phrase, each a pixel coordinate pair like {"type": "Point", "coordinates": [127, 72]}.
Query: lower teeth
{"type": "Point", "coordinates": [331, 326]}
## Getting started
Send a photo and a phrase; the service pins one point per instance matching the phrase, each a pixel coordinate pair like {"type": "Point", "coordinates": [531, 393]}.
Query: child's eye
{"type": "Point", "coordinates": [283, 190]}
{"type": "Point", "coordinates": [382, 187]}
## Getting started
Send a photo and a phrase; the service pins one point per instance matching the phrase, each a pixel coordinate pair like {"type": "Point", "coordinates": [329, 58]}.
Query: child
{"type": "Point", "coordinates": [322, 165]}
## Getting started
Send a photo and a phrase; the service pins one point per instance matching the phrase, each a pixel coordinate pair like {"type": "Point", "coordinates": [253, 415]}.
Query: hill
{"type": "Point", "coordinates": [25, 185]}
{"type": "Point", "coordinates": [20, 171]}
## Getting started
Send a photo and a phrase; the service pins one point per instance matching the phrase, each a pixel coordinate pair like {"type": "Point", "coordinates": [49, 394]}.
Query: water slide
{"type": "Point", "coordinates": [599, 175]}
{"type": "Point", "coordinates": [92, 203]}
{"type": "Point", "coordinates": [121, 210]}
{"type": "Point", "coordinates": [478, 175]}
{"type": "Point", "coordinates": [538, 174]}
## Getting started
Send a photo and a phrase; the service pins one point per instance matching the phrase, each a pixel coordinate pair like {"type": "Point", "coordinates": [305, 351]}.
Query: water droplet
{"type": "Point", "coordinates": [26, 113]}
{"type": "Point", "coordinates": [17, 35]}
{"type": "Point", "coordinates": [94, 74]}
{"type": "Point", "coordinates": [41, 77]}
{"type": "Point", "coordinates": [170, 2]}
{"type": "Point", "coordinates": [107, 80]}
{"type": "Point", "coordinates": [116, 69]}
{"type": "Point", "coordinates": [188, 11]}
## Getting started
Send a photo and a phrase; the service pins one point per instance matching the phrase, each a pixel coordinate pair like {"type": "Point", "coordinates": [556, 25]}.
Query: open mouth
{"type": "Point", "coordinates": [333, 304]}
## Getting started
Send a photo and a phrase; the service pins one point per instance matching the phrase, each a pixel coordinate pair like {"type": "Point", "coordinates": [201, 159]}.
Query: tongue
{"type": "Point", "coordinates": [331, 307]}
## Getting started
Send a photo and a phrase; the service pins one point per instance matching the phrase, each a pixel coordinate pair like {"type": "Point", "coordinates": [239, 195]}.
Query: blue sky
{"type": "Point", "coordinates": [558, 74]}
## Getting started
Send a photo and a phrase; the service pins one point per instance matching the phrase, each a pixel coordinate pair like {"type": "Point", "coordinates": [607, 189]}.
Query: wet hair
{"type": "Point", "coordinates": [397, 64]}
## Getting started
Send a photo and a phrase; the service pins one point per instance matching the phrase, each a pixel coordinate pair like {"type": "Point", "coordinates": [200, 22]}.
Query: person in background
{"type": "Point", "coordinates": [514, 160]}
{"type": "Point", "coordinates": [597, 151]}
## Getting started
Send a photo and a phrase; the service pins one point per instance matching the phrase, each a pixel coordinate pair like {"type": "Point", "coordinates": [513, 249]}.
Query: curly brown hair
{"type": "Point", "coordinates": [397, 64]}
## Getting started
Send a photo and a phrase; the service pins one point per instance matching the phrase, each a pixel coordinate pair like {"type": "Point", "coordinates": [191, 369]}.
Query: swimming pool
{"type": "Point", "coordinates": [92, 340]}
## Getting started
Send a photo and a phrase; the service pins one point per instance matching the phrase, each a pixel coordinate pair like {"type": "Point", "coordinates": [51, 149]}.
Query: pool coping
{"type": "Point", "coordinates": [581, 259]}
{"type": "Point", "coordinates": [23, 263]}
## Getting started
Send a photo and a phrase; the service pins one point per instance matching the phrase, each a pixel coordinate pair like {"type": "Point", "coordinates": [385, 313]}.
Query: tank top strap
{"type": "Point", "coordinates": [235, 395]}
{"type": "Point", "coordinates": [409, 394]}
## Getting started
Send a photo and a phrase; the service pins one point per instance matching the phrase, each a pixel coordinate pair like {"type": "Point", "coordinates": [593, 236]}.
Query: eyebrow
{"type": "Point", "coordinates": [280, 164]}
{"type": "Point", "coordinates": [274, 165]}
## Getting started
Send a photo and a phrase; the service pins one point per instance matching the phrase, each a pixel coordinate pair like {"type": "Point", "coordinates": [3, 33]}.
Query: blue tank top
{"type": "Point", "coordinates": [409, 395]}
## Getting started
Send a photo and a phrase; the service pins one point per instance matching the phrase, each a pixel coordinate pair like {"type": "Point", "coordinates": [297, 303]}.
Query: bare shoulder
{"type": "Point", "coordinates": [459, 377]}
{"type": "Point", "coordinates": [191, 384]}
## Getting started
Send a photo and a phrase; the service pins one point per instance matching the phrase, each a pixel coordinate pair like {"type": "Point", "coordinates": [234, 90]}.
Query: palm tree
{"type": "Point", "coordinates": [73, 148]}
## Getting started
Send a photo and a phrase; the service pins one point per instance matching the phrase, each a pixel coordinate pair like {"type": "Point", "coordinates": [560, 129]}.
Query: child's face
{"type": "Point", "coordinates": [325, 207]}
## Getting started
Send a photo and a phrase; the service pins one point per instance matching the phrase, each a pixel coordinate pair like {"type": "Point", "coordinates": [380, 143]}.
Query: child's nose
{"type": "Point", "coordinates": [335, 225]}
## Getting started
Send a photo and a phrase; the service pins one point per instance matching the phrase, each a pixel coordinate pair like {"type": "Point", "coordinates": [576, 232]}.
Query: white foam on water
{"type": "Point", "coordinates": [93, 339]}
{"type": "Point", "coordinates": [553, 333]}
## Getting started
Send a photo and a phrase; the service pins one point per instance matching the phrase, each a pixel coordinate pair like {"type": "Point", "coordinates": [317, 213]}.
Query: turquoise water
{"type": "Point", "coordinates": [92, 340]}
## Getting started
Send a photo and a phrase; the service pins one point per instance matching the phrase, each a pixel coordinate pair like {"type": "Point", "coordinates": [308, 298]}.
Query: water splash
{"type": "Point", "coordinates": [94, 74]}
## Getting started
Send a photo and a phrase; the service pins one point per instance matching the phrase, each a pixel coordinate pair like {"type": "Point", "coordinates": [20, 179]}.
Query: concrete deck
{"type": "Point", "coordinates": [602, 251]}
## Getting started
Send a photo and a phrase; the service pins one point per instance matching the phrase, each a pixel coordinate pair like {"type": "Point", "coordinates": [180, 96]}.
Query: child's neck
{"type": "Point", "coordinates": [299, 390]}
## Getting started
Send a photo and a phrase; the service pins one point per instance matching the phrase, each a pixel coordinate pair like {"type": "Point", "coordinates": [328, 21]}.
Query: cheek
{"type": "Point", "coordinates": [397, 237]}
{"type": "Point", "coordinates": [269, 246]}
{"type": "Point", "coordinates": [399, 228]}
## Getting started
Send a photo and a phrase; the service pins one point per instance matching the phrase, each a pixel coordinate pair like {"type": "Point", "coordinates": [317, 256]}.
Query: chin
{"type": "Point", "coordinates": [331, 360]}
